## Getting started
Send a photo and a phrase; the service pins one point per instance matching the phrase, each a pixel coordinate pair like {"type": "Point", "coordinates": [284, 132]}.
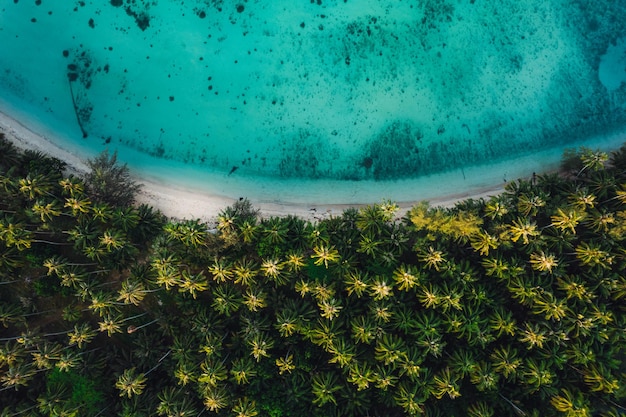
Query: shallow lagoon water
{"type": "Point", "coordinates": [347, 101]}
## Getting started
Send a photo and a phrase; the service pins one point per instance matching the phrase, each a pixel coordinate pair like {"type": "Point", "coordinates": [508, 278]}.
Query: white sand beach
{"type": "Point", "coordinates": [182, 203]}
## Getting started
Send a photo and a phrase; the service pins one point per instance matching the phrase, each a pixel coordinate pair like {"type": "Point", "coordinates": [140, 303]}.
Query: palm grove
{"type": "Point", "coordinates": [509, 306]}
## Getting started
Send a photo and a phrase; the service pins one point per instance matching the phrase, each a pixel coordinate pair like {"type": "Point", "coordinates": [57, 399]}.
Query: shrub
{"type": "Point", "coordinates": [109, 182]}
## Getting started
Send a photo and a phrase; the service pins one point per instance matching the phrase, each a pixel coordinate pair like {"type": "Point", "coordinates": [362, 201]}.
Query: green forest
{"type": "Point", "coordinates": [509, 306]}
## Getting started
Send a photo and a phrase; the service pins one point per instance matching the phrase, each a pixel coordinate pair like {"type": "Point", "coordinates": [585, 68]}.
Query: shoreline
{"type": "Point", "coordinates": [186, 203]}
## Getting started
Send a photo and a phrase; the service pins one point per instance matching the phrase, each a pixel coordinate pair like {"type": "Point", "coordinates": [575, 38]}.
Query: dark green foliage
{"type": "Point", "coordinates": [111, 183]}
{"type": "Point", "coordinates": [81, 392]}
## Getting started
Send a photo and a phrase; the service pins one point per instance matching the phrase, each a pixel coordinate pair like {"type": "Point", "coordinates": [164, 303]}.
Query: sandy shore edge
{"type": "Point", "coordinates": [180, 203]}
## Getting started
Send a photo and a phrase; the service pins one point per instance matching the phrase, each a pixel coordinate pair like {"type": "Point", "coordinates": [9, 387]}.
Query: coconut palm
{"type": "Point", "coordinates": [254, 299]}
{"type": "Point", "coordinates": [483, 242]}
{"type": "Point", "coordinates": [78, 206]}
{"type": "Point", "coordinates": [221, 270]}
{"type": "Point", "coordinates": [342, 352]}
{"type": "Point", "coordinates": [46, 355]}
{"type": "Point", "coordinates": [591, 255]}
{"type": "Point", "coordinates": [285, 364]}
{"type": "Point", "coordinates": [216, 398]}
{"type": "Point", "coordinates": [133, 292]}
{"type": "Point", "coordinates": [406, 277]}
{"type": "Point", "coordinates": [390, 349]}
{"type": "Point", "coordinates": [433, 259]}
{"type": "Point", "coordinates": [274, 231]}
{"type": "Point", "coordinates": [543, 262]}
{"type": "Point", "coordinates": [212, 373]}
{"type": "Point", "coordinates": [409, 398]}
{"type": "Point", "coordinates": [111, 324]}
{"type": "Point", "coordinates": [226, 299]}
{"type": "Point", "coordinates": [131, 383]}
{"type": "Point", "coordinates": [506, 361]}
{"type": "Point", "coordinates": [242, 369]}
{"type": "Point", "coordinates": [259, 345]}
{"type": "Point", "coordinates": [380, 289]}
{"type": "Point", "coordinates": [523, 228]}
{"type": "Point", "coordinates": [245, 408]}
{"type": "Point", "coordinates": [567, 220]}
{"type": "Point", "coordinates": [272, 269]}
{"type": "Point", "coordinates": [68, 360]}
{"type": "Point", "coordinates": [324, 386]}
{"type": "Point", "coordinates": [172, 403]}
{"type": "Point", "coordinates": [46, 211]}
{"type": "Point", "coordinates": [361, 375]}
{"type": "Point", "coordinates": [295, 261]}
{"type": "Point", "coordinates": [446, 383]}
{"type": "Point", "coordinates": [18, 374]}
{"type": "Point", "coordinates": [192, 283]}
{"type": "Point", "coordinates": [245, 271]}
{"type": "Point", "coordinates": [34, 186]}
{"type": "Point", "coordinates": [324, 255]}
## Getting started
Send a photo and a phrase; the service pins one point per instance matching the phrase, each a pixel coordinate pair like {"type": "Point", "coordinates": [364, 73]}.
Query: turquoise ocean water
{"type": "Point", "coordinates": [320, 100]}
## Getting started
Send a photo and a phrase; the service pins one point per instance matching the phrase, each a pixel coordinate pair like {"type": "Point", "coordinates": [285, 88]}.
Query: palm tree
{"type": "Point", "coordinates": [111, 324]}
{"type": "Point", "coordinates": [342, 352]}
{"type": "Point", "coordinates": [245, 408]}
{"type": "Point", "coordinates": [226, 299]}
{"type": "Point", "coordinates": [272, 269]}
{"type": "Point", "coordinates": [567, 220]}
{"type": "Point", "coordinates": [408, 397]}
{"type": "Point", "coordinates": [133, 292]}
{"type": "Point", "coordinates": [172, 403]}
{"type": "Point", "coordinates": [254, 299]}
{"type": "Point", "coordinates": [361, 375]}
{"type": "Point", "coordinates": [285, 364]}
{"type": "Point", "coordinates": [324, 254]}
{"type": "Point", "coordinates": [406, 277]}
{"type": "Point", "coordinates": [573, 405]}
{"type": "Point", "coordinates": [242, 369]}
{"type": "Point", "coordinates": [537, 375]}
{"type": "Point", "coordinates": [216, 398]}
{"type": "Point", "coordinates": [480, 409]}
{"type": "Point", "coordinates": [295, 261]}
{"type": "Point", "coordinates": [212, 373]}
{"type": "Point", "coordinates": [543, 262]}
{"type": "Point", "coordinates": [379, 289]}
{"type": "Point", "coordinates": [390, 349]}
{"type": "Point", "coordinates": [505, 360]}
{"type": "Point", "coordinates": [72, 186]}
{"type": "Point", "coordinates": [245, 271]}
{"type": "Point", "coordinates": [446, 383]}
{"type": "Point", "coordinates": [591, 255]}
{"type": "Point", "coordinates": [221, 270]}
{"type": "Point", "coordinates": [259, 346]}
{"type": "Point", "coordinates": [46, 211]}
{"type": "Point", "coordinates": [131, 383]}
{"type": "Point", "coordinates": [68, 360]}
{"type": "Point", "coordinates": [524, 229]}
{"type": "Point", "coordinates": [324, 386]}
{"type": "Point", "coordinates": [34, 186]}
{"type": "Point", "coordinates": [192, 283]}
{"type": "Point", "coordinates": [356, 282]}
{"type": "Point", "coordinates": [46, 354]}
{"type": "Point", "coordinates": [17, 375]}
{"type": "Point", "coordinates": [274, 231]}
{"type": "Point", "coordinates": [77, 206]}
{"type": "Point", "coordinates": [434, 259]}
{"type": "Point", "coordinates": [483, 242]}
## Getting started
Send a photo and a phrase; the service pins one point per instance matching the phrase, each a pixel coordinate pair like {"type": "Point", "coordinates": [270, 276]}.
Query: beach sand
{"type": "Point", "coordinates": [180, 203]}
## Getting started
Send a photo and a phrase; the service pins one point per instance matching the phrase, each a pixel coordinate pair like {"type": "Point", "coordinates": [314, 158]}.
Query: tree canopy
{"type": "Point", "coordinates": [512, 305]}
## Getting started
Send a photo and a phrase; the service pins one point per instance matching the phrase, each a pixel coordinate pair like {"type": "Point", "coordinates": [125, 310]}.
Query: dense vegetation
{"type": "Point", "coordinates": [511, 306]}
